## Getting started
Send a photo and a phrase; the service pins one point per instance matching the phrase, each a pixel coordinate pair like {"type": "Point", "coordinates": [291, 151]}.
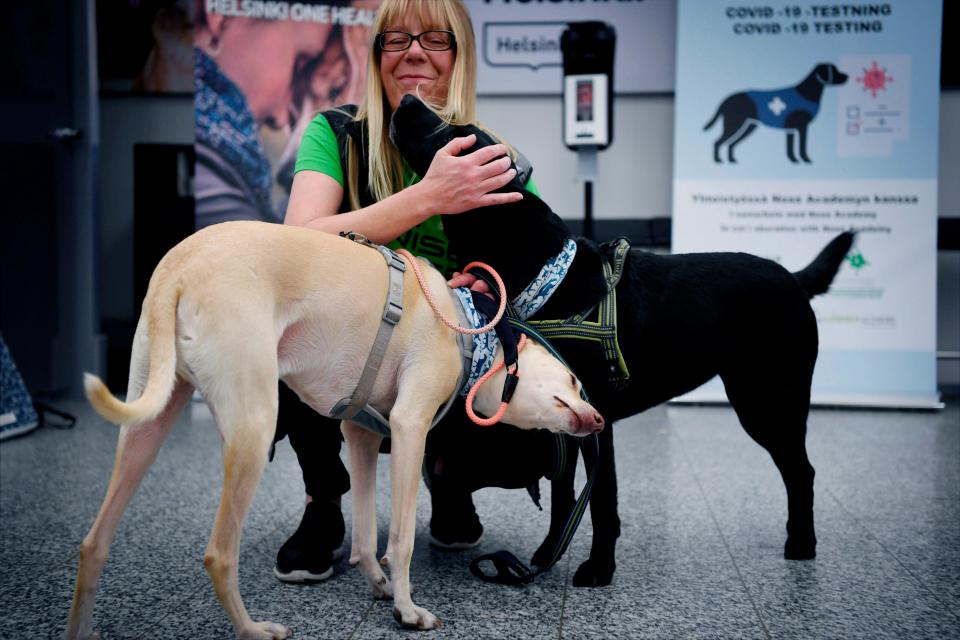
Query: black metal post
{"type": "Point", "coordinates": [588, 209]}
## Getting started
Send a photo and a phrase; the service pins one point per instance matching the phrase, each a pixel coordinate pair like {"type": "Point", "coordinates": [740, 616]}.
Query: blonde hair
{"type": "Point", "coordinates": [460, 107]}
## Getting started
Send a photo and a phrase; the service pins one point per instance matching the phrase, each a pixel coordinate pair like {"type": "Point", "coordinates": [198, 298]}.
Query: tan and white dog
{"type": "Point", "coordinates": [238, 305]}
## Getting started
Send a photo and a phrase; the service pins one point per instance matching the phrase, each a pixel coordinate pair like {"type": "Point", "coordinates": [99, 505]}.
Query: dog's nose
{"type": "Point", "coordinates": [590, 422]}
{"type": "Point", "coordinates": [597, 422]}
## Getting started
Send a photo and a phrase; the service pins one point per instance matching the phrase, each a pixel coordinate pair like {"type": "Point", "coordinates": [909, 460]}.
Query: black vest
{"type": "Point", "coordinates": [344, 126]}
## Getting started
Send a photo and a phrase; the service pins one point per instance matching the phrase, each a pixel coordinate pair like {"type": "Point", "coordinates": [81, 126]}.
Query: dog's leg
{"type": "Point", "coordinates": [734, 130]}
{"type": "Point", "coordinates": [790, 145]}
{"type": "Point", "coordinates": [788, 449]}
{"type": "Point", "coordinates": [137, 448]}
{"type": "Point", "coordinates": [738, 139]}
{"type": "Point", "coordinates": [739, 112]}
{"type": "Point", "coordinates": [732, 125]}
{"type": "Point", "coordinates": [363, 446]}
{"type": "Point", "coordinates": [598, 569]}
{"type": "Point", "coordinates": [776, 418]}
{"type": "Point", "coordinates": [245, 406]}
{"type": "Point", "coordinates": [797, 472]}
{"type": "Point", "coordinates": [802, 135]}
{"type": "Point", "coordinates": [409, 423]}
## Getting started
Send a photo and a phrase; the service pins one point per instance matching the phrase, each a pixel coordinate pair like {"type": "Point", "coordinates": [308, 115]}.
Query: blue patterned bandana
{"type": "Point", "coordinates": [531, 299]}
{"type": "Point", "coordinates": [485, 345]}
{"type": "Point", "coordinates": [225, 124]}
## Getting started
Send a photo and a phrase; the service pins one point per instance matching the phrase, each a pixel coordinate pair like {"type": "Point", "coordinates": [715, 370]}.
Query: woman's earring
{"type": "Point", "coordinates": [213, 47]}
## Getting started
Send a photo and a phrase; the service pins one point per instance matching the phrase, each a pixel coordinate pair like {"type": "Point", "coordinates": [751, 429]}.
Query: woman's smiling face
{"type": "Point", "coordinates": [402, 72]}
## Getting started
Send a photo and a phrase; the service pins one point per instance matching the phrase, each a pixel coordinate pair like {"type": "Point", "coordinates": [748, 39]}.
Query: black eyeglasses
{"type": "Point", "coordinates": [401, 40]}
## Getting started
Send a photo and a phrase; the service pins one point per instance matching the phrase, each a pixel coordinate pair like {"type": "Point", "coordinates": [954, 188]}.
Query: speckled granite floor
{"type": "Point", "coordinates": [703, 514]}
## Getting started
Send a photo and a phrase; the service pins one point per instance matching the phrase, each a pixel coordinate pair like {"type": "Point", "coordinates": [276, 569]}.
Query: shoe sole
{"type": "Point", "coordinates": [302, 576]}
{"type": "Point", "coordinates": [453, 546]}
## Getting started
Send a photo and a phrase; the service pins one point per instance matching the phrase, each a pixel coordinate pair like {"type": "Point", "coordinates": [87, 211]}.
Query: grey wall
{"type": "Point", "coordinates": [634, 181]}
{"type": "Point", "coordinates": [635, 172]}
{"type": "Point", "coordinates": [124, 122]}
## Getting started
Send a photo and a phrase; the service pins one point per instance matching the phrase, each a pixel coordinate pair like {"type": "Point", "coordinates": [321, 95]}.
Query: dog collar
{"type": "Point", "coordinates": [532, 299]}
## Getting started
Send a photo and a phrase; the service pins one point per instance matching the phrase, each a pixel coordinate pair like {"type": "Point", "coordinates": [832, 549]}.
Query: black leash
{"type": "Point", "coordinates": [508, 569]}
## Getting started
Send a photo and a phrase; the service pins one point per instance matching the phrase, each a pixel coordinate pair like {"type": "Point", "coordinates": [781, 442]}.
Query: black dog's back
{"type": "Point", "coordinates": [692, 314]}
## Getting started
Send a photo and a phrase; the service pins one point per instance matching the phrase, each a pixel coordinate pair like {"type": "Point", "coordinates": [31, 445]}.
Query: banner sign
{"type": "Point", "coordinates": [261, 72]}
{"type": "Point", "coordinates": [798, 120]}
{"type": "Point", "coordinates": [518, 43]}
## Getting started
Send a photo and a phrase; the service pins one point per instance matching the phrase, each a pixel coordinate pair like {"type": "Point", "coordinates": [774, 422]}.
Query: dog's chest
{"type": "Point", "coordinates": [324, 366]}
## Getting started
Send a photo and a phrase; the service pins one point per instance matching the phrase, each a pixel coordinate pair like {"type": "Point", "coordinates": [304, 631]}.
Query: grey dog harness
{"type": "Point", "coordinates": [356, 407]}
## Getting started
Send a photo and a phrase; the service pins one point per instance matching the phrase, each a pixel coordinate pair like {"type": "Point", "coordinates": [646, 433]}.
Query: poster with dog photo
{"type": "Point", "coordinates": [798, 120]}
{"type": "Point", "coordinates": [261, 72]}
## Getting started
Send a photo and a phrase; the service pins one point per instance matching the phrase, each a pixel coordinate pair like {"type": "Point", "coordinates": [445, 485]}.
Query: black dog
{"type": "Point", "coordinates": [791, 108]}
{"type": "Point", "coordinates": [682, 320]}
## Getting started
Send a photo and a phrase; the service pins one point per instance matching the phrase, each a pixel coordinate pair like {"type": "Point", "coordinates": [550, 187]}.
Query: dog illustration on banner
{"type": "Point", "coordinates": [790, 108]}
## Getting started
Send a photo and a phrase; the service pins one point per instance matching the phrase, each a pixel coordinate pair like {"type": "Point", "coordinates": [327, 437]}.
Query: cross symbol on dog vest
{"type": "Point", "coordinates": [777, 105]}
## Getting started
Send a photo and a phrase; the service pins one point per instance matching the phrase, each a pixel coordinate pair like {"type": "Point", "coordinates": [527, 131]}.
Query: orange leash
{"type": "Point", "coordinates": [483, 422]}
{"type": "Point", "coordinates": [495, 418]}
{"type": "Point", "coordinates": [433, 303]}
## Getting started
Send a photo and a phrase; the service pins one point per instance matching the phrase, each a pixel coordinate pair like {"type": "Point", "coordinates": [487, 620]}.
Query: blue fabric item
{"type": "Point", "coordinates": [17, 415]}
{"type": "Point", "coordinates": [225, 124]}
{"type": "Point", "coordinates": [773, 107]}
{"type": "Point", "coordinates": [532, 299]}
{"type": "Point", "coordinates": [527, 303]}
{"type": "Point", "coordinates": [484, 344]}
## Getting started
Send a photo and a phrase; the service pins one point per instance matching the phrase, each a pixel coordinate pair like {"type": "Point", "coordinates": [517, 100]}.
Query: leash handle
{"type": "Point", "coordinates": [510, 570]}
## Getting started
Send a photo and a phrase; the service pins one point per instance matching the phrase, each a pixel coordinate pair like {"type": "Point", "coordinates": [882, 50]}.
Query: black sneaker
{"type": "Point", "coordinates": [455, 534]}
{"type": "Point", "coordinates": [313, 549]}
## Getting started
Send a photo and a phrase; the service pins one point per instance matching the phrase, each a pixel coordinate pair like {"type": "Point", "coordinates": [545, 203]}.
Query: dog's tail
{"type": "Point", "coordinates": [816, 277]}
{"type": "Point", "coordinates": [712, 120]}
{"type": "Point", "coordinates": [161, 319]}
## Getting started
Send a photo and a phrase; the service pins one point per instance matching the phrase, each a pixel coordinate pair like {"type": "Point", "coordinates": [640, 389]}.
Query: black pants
{"type": "Point", "coordinates": [316, 441]}
{"type": "Point", "coordinates": [475, 457]}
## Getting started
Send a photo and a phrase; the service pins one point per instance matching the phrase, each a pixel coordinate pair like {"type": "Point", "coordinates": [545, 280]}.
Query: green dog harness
{"type": "Point", "coordinates": [604, 329]}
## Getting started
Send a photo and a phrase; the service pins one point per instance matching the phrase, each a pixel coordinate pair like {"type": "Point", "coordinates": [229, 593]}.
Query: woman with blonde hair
{"type": "Point", "coordinates": [350, 177]}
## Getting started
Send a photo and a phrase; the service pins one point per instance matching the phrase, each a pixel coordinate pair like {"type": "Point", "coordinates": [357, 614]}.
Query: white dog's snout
{"type": "Point", "coordinates": [584, 419]}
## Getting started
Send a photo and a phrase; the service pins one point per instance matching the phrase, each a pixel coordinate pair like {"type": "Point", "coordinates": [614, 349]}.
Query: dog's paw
{"type": "Point", "coordinates": [414, 617]}
{"type": "Point", "coordinates": [382, 588]}
{"type": "Point", "coordinates": [594, 574]}
{"type": "Point", "coordinates": [800, 548]}
{"type": "Point", "coordinates": [264, 631]}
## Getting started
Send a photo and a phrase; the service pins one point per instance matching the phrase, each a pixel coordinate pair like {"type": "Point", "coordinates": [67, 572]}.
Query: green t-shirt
{"type": "Point", "coordinates": [319, 152]}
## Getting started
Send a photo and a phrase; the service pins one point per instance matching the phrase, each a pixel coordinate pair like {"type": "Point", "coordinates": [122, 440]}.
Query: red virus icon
{"type": "Point", "coordinates": [874, 79]}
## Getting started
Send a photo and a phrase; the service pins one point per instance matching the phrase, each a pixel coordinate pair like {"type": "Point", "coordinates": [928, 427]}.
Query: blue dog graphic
{"type": "Point", "coordinates": [791, 108]}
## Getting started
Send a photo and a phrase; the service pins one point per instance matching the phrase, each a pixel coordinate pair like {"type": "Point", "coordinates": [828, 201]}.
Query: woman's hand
{"type": "Point", "coordinates": [470, 281]}
{"type": "Point", "coordinates": [456, 184]}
